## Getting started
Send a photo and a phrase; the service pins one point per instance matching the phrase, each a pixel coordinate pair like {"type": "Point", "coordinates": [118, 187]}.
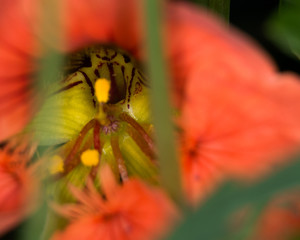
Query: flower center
{"type": "Point", "coordinates": [109, 83]}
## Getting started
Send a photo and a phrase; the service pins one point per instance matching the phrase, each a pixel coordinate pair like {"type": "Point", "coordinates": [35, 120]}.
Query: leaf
{"type": "Point", "coordinates": [209, 221]}
{"type": "Point", "coordinates": [284, 27]}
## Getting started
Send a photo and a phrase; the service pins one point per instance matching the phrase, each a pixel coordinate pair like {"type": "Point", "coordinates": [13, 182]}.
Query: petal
{"type": "Point", "coordinates": [16, 67]}
{"type": "Point", "coordinates": [236, 127]}
{"type": "Point", "coordinates": [195, 39]}
{"type": "Point", "coordinates": [18, 197]}
{"type": "Point", "coordinates": [108, 182]}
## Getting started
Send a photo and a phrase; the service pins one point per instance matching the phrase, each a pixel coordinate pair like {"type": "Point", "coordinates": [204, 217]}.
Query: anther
{"type": "Point", "coordinates": [90, 157]}
{"type": "Point", "coordinates": [56, 164]}
{"type": "Point", "coordinates": [102, 87]}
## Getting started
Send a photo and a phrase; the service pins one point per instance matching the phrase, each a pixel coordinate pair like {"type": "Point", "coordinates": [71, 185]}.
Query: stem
{"type": "Point", "coordinates": [168, 160]}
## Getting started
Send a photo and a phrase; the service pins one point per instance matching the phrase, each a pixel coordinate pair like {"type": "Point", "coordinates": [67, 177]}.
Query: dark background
{"type": "Point", "coordinates": [249, 16]}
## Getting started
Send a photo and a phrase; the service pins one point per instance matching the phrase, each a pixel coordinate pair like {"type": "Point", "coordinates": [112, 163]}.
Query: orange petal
{"type": "Point", "coordinates": [18, 196]}
{"type": "Point", "coordinates": [238, 128]}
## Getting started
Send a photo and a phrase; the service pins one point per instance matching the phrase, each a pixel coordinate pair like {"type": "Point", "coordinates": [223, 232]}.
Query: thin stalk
{"type": "Point", "coordinates": [169, 165]}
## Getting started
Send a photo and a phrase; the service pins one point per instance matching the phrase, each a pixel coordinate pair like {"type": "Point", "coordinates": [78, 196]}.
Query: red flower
{"type": "Point", "coordinates": [19, 186]}
{"type": "Point", "coordinates": [17, 49]}
{"type": "Point", "coordinates": [236, 129]}
{"type": "Point", "coordinates": [281, 219]}
{"type": "Point", "coordinates": [239, 115]}
{"type": "Point", "coordinates": [131, 211]}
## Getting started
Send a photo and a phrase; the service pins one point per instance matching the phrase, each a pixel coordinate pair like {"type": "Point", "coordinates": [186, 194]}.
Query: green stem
{"type": "Point", "coordinates": [167, 157]}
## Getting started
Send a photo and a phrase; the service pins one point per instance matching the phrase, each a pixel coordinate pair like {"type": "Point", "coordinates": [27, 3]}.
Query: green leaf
{"type": "Point", "coordinates": [209, 221]}
{"type": "Point", "coordinates": [50, 66]}
{"type": "Point", "coordinates": [284, 27]}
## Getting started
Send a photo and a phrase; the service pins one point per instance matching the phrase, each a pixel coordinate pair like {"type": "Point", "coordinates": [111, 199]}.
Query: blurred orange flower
{"type": "Point", "coordinates": [281, 219]}
{"type": "Point", "coordinates": [17, 66]}
{"type": "Point", "coordinates": [19, 189]}
{"type": "Point", "coordinates": [132, 211]}
{"type": "Point", "coordinates": [238, 115]}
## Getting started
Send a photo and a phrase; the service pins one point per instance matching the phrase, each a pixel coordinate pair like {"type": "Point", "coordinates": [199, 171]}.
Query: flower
{"type": "Point", "coordinates": [237, 114]}
{"type": "Point", "coordinates": [17, 51]}
{"type": "Point", "coordinates": [131, 211]}
{"type": "Point", "coordinates": [280, 220]}
{"type": "Point", "coordinates": [19, 188]}
{"type": "Point", "coordinates": [235, 129]}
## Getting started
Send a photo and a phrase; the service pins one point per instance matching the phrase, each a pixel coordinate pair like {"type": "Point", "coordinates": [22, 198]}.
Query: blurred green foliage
{"type": "Point", "coordinates": [164, 131]}
{"type": "Point", "coordinates": [210, 221]}
{"type": "Point", "coordinates": [220, 7]}
{"type": "Point", "coordinates": [284, 27]}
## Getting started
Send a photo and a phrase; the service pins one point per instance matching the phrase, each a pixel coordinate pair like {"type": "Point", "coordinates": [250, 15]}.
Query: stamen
{"type": "Point", "coordinates": [69, 163]}
{"type": "Point", "coordinates": [102, 87]}
{"type": "Point", "coordinates": [56, 165]}
{"type": "Point", "coordinates": [90, 157]}
{"type": "Point", "coordinates": [125, 117]}
{"type": "Point", "coordinates": [97, 136]}
{"type": "Point", "coordinates": [97, 146]}
{"type": "Point", "coordinates": [119, 158]}
{"type": "Point", "coordinates": [143, 145]}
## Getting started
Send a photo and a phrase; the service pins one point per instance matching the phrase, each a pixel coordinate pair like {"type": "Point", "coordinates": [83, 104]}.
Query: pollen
{"type": "Point", "coordinates": [56, 165]}
{"type": "Point", "coordinates": [102, 87]}
{"type": "Point", "coordinates": [90, 157]}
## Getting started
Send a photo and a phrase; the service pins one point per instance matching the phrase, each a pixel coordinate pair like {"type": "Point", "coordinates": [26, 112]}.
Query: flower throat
{"type": "Point", "coordinates": [107, 85]}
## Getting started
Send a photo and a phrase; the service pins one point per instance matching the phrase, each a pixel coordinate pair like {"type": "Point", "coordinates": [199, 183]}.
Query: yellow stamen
{"type": "Point", "coordinates": [90, 157]}
{"type": "Point", "coordinates": [102, 87]}
{"type": "Point", "coordinates": [56, 165]}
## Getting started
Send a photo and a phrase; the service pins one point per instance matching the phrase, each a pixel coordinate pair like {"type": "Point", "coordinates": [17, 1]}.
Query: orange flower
{"type": "Point", "coordinates": [17, 50]}
{"type": "Point", "coordinates": [238, 115]}
{"type": "Point", "coordinates": [18, 195]}
{"type": "Point", "coordinates": [131, 211]}
{"type": "Point", "coordinates": [281, 219]}
{"type": "Point", "coordinates": [237, 129]}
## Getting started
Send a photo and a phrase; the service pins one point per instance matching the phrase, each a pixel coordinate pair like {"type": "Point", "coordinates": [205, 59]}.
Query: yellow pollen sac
{"type": "Point", "coordinates": [56, 165]}
{"type": "Point", "coordinates": [102, 87]}
{"type": "Point", "coordinates": [90, 157]}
